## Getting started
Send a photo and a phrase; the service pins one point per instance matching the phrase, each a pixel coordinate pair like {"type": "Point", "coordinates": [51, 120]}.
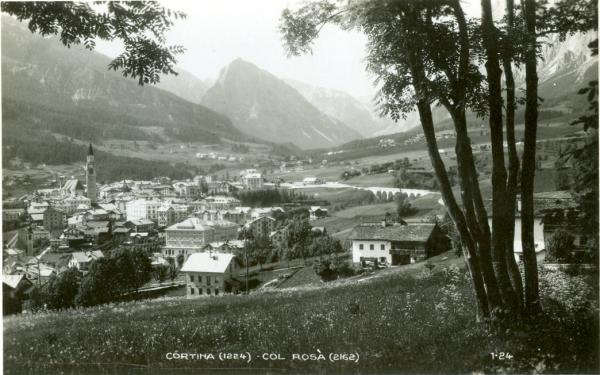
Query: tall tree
{"type": "Point", "coordinates": [532, 302]}
{"type": "Point", "coordinates": [139, 25]}
{"type": "Point", "coordinates": [491, 45]}
{"type": "Point", "coordinates": [508, 45]}
{"type": "Point", "coordinates": [422, 53]}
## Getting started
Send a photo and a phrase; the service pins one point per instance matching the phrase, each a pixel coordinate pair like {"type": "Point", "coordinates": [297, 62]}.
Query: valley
{"type": "Point", "coordinates": [287, 190]}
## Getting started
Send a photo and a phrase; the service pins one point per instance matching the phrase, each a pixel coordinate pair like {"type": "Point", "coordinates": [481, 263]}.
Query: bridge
{"type": "Point", "coordinates": [389, 194]}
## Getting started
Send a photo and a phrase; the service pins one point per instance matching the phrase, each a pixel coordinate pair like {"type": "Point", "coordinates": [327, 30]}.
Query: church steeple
{"type": "Point", "coordinates": [90, 176]}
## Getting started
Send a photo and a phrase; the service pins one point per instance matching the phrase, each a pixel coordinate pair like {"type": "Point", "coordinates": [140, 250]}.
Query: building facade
{"type": "Point", "coordinates": [397, 244]}
{"type": "Point", "coordinates": [209, 274]}
{"type": "Point", "coordinates": [138, 209]}
{"type": "Point", "coordinates": [193, 234]}
{"type": "Point", "coordinates": [261, 227]}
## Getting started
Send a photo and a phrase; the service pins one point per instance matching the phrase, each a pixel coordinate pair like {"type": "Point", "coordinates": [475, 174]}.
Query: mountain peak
{"type": "Point", "coordinates": [264, 105]}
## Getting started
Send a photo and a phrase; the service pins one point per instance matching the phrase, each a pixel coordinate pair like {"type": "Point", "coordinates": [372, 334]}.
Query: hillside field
{"type": "Point", "coordinates": [421, 322]}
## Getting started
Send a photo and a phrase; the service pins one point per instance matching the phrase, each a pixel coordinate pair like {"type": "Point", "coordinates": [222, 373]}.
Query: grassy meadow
{"type": "Point", "coordinates": [396, 324]}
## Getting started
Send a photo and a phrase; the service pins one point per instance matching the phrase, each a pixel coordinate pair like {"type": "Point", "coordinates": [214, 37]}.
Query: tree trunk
{"type": "Point", "coordinates": [472, 197]}
{"type": "Point", "coordinates": [499, 220]}
{"type": "Point", "coordinates": [475, 211]}
{"type": "Point", "coordinates": [453, 209]}
{"type": "Point", "coordinates": [532, 303]}
{"type": "Point", "coordinates": [513, 161]}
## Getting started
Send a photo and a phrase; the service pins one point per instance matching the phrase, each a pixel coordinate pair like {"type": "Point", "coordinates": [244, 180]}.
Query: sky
{"type": "Point", "coordinates": [217, 32]}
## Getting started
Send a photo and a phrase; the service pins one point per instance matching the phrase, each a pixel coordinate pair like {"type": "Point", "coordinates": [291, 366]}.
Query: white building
{"type": "Point", "coordinates": [189, 190]}
{"type": "Point", "coordinates": [397, 244]}
{"type": "Point", "coordinates": [209, 274]}
{"type": "Point", "coordinates": [193, 234]}
{"type": "Point", "coordinates": [71, 203]}
{"type": "Point", "coordinates": [143, 209]}
{"type": "Point", "coordinates": [218, 202]}
{"type": "Point", "coordinates": [252, 181]}
{"type": "Point", "coordinates": [169, 214]}
{"type": "Point", "coordinates": [261, 226]}
{"type": "Point", "coordinates": [82, 259]}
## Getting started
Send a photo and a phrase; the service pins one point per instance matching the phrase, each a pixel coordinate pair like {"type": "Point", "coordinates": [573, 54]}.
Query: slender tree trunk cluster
{"type": "Point", "coordinates": [489, 252]}
{"type": "Point", "coordinates": [532, 303]}
{"type": "Point", "coordinates": [513, 157]}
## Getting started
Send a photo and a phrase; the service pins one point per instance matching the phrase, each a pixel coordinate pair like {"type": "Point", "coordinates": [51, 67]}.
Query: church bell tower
{"type": "Point", "coordinates": [90, 176]}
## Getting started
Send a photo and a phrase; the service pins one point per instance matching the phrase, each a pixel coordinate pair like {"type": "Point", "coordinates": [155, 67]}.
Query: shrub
{"type": "Point", "coordinates": [559, 247]}
{"type": "Point", "coordinates": [571, 292]}
{"type": "Point", "coordinates": [61, 290]}
{"type": "Point", "coordinates": [343, 268]}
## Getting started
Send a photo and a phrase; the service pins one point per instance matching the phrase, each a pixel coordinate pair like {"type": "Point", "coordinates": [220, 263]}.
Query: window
{"type": "Point", "coordinates": [382, 247]}
{"type": "Point", "coordinates": [199, 278]}
{"type": "Point", "coordinates": [216, 280]}
{"type": "Point", "coordinates": [200, 291]}
{"type": "Point", "coordinates": [216, 292]}
{"type": "Point", "coordinates": [191, 290]}
{"type": "Point", "coordinates": [360, 247]}
{"type": "Point", "coordinates": [191, 278]}
{"type": "Point", "coordinates": [208, 291]}
{"type": "Point", "coordinates": [371, 247]}
{"type": "Point", "coordinates": [208, 281]}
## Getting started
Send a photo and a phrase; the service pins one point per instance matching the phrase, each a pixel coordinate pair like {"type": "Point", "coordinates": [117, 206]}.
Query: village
{"type": "Point", "coordinates": [200, 240]}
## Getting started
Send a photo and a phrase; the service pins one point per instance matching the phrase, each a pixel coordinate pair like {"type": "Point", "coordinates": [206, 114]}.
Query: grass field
{"type": "Point", "coordinates": [378, 180]}
{"type": "Point", "coordinates": [378, 209]}
{"type": "Point", "coordinates": [341, 222]}
{"type": "Point", "coordinates": [393, 324]}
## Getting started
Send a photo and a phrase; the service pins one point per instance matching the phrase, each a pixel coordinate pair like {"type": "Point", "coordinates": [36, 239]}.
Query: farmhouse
{"type": "Point", "coordinates": [210, 274]}
{"type": "Point", "coordinates": [396, 244]}
{"type": "Point", "coordinates": [317, 212]}
{"type": "Point", "coordinates": [548, 207]}
{"type": "Point", "coordinates": [14, 290]}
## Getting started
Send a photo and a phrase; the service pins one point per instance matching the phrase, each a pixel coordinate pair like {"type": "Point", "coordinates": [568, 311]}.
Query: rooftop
{"type": "Point", "coordinates": [12, 280]}
{"type": "Point", "coordinates": [207, 262]}
{"type": "Point", "coordinates": [194, 223]}
{"type": "Point", "coordinates": [412, 232]}
{"type": "Point", "coordinates": [87, 256]}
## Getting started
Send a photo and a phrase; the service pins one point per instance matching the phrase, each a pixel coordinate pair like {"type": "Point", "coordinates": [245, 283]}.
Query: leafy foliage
{"type": "Point", "coordinates": [109, 277]}
{"type": "Point", "coordinates": [140, 26]}
{"type": "Point", "coordinates": [61, 290]}
{"type": "Point", "coordinates": [559, 247]}
{"type": "Point", "coordinates": [264, 198]}
{"type": "Point", "coordinates": [403, 206]}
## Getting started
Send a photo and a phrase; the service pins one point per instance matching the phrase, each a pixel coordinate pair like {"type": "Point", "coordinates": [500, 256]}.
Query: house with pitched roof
{"type": "Point", "coordinates": [82, 259]}
{"type": "Point", "coordinates": [396, 244]}
{"type": "Point", "coordinates": [14, 290]}
{"type": "Point", "coordinates": [552, 210]}
{"type": "Point", "coordinates": [210, 274]}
